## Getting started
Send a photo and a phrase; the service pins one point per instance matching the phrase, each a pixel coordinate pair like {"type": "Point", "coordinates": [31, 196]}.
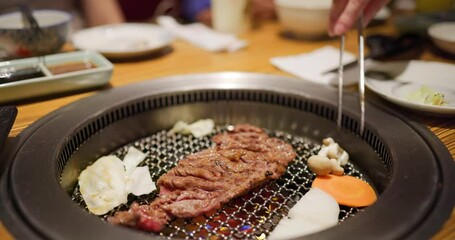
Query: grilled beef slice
{"type": "Point", "coordinates": [241, 160]}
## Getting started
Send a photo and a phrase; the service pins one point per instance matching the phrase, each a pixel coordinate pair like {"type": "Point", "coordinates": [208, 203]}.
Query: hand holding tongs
{"type": "Point", "coordinates": [361, 77]}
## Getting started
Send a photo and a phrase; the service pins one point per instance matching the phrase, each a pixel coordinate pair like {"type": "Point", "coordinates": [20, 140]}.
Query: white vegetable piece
{"type": "Point", "coordinates": [199, 128]}
{"type": "Point", "coordinates": [180, 127]}
{"type": "Point", "coordinates": [102, 185]}
{"type": "Point", "coordinates": [132, 158]}
{"type": "Point", "coordinates": [106, 183]}
{"type": "Point", "coordinates": [140, 182]}
{"type": "Point", "coordinates": [314, 212]}
{"type": "Point", "coordinates": [202, 127]}
{"type": "Point", "coordinates": [426, 95]}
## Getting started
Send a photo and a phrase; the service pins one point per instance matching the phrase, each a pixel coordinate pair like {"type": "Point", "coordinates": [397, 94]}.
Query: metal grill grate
{"type": "Point", "coordinates": [163, 101]}
{"type": "Point", "coordinates": [251, 216]}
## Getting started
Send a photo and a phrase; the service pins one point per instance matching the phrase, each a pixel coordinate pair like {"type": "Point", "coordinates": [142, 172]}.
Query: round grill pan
{"type": "Point", "coordinates": [408, 166]}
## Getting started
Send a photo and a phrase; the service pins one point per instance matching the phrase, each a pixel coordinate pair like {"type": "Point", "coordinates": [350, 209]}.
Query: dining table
{"type": "Point", "coordinates": [265, 41]}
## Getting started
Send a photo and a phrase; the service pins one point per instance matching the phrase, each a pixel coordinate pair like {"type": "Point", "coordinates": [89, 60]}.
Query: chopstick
{"type": "Point", "coordinates": [340, 83]}
{"type": "Point", "coordinates": [361, 61]}
{"type": "Point", "coordinates": [28, 19]}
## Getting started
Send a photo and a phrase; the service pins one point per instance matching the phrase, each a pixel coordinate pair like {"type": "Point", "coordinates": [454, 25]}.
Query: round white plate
{"type": "Point", "coordinates": [411, 76]}
{"type": "Point", "coordinates": [123, 40]}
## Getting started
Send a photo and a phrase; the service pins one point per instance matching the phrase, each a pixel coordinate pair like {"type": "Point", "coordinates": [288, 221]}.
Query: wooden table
{"type": "Point", "coordinates": [265, 43]}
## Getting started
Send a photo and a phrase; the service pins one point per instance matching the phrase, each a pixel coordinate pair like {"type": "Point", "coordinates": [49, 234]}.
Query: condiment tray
{"type": "Point", "coordinates": [33, 77]}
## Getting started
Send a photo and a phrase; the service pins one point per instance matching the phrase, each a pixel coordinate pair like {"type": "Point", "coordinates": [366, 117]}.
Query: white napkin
{"type": "Point", "coordinates": [202, 36]}
{"type": "Point", "coordinates": [312, 66]}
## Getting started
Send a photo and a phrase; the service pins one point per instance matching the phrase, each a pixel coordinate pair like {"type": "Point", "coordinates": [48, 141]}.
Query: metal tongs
{"type": "Point", "coordinates": [361, 77]}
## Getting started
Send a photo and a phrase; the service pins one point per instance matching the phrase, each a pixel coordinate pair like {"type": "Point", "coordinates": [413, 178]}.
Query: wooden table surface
{"type": "Point", "coordinates": [264, 43]}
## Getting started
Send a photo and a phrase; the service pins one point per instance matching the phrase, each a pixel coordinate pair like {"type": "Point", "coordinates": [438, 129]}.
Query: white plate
{"type": "Point", "coordinates": [123, 40]}
{"type": "Point", "coordinates": [410, 76]}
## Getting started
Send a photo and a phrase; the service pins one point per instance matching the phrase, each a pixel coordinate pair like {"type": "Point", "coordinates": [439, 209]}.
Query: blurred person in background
{"type": "Point", "coordinates": [88, 13]}
{"type": "Point", "coordinates": [101, 12]}
{"type": "Point", "coordinates": [343, 16]}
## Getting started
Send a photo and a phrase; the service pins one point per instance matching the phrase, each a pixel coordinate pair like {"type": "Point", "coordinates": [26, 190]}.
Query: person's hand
{"type": "Point", "coordinates": [344, 13]}
{"type": "Point", "coordinates": [205, 17]}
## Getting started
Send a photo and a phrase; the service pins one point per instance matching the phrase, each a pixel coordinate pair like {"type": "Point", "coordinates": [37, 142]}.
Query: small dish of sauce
{"type": "Point", "coordinates": [70, 67]}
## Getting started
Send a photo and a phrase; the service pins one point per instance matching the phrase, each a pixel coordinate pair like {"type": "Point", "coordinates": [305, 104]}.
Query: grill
{"type": "Point", "coordinates": [408, 167]}
{"type": "Point", "coordinates": [249, 217]}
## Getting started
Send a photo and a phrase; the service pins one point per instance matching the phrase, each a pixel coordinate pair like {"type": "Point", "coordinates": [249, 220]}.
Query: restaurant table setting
{"type": "Point", "coordinates": [314, 66]}
{"type": "Point", "coordinates": [202, 36]}
{"type": "Point", "coordinates": [106, 89]}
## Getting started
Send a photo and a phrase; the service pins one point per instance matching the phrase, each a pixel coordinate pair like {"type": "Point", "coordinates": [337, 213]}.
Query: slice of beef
{"type": "Point", "coordinates": [242, 159]}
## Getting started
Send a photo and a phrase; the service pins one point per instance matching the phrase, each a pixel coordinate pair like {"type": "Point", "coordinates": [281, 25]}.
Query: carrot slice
{"type": "Point", "coordinates": [347, 190]}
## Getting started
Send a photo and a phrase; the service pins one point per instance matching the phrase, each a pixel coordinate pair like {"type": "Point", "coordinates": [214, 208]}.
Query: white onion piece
{"type": "Point", "coordinates": [314, 212]}
{"type": "Point", "coordinates": [140, 182]}
{"type": "Point", "coordinates": [199, 128]}
{"type": "Point", "coordinates": [102, 185]}
{"type": "Point", "coordinates": [180, 127]}
{"type": "Point", "coordinates": [202, 127]}
{"type": "Point", "coordinates": [106, 183]}
{"type": "Point", "coordinates": [132, 158]}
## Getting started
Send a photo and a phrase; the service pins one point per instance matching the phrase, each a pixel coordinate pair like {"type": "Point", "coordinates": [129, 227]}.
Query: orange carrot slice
{"type": "Point", "coordinates": [347, 190]}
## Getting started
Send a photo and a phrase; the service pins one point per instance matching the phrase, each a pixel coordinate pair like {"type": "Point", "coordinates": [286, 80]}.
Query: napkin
{"type": "Point", "coordinates": [313, 66]}
{"type": "Point", "coordinates": [202, 36]}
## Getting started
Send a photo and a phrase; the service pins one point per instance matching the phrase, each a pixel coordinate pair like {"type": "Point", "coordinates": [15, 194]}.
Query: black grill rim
{"type": "Point", "coordinates": [441, 198]}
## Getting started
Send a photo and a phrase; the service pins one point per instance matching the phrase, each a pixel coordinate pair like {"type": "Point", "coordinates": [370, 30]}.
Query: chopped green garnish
{"type": "Point", "coordinates": [427, 95]}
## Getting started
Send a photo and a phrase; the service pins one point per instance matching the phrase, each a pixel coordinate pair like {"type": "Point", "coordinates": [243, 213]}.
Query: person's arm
{"type": "Point", "coordinates": [196, 10]}
{"type": "Point", "coordinates": [344, 13]}
{"type": "Point", "coordinates": [100, 12]}
{"type": "Point", "coordinates": [263, 9]}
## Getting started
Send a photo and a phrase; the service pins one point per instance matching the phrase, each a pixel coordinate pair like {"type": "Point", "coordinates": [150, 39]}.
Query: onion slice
{"type": "Point", "coordinates": [132, 158]}
{"type": "Point", "coordinates": [106, 183]}
{"type": "Point", "coordinates": [199, 128]}
{"type": "Point", "coordinates": [314, 212]}
{"type": "Point", "coordinates": [102, 185]}
{"type": "Point", "coordinates": [140, 182]}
